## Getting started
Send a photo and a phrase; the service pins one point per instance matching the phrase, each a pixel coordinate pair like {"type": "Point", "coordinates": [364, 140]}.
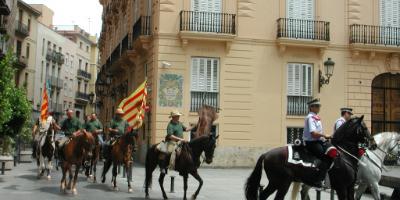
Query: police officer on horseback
{"type": "Point", "coordinates": [346, 114]}
{"type": "Point", "coordinates": [315, 140]}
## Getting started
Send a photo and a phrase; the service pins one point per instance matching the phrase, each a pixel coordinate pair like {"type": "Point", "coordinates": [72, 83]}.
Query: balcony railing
{"type": "Point", "coordinates": [198, 99]}
{"type": "Point", "coordinates": [141, 27]}
{"type": "Point", "coordinates": [208, 22]}
{"type": "Point", "coordinates": [21, 61]}
{"type": "Point", "coordinates": [84, 74]}
{"type": "Point", "coordinates": [303, 29]}
{"type": "Point", "coordinates": [21, 28]}
{"type": "Point", "coordinates": [297, 105]}
{"type": "Point", "coordinates": [294, 133]}
{"type": "Point", "coordinates": [56, 82]}
{"type": "Point", "coordinates": [82, 95]}
{"type": "Point", "coordinates": [376, 35]}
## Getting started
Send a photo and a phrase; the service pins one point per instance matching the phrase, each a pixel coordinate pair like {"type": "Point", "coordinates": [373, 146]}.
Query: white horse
{"type": "Point", "coordinates": [45, 149]}
{"type": "Point", "coordinates": [370, 174]}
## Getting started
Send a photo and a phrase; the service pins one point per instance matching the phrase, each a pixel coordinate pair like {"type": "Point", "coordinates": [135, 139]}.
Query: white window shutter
{"type": "Point", "coordinates": [310, 80]}
{"type": "Point", "coordinates": [300, 9]}
{"type": "Point", "coordinates": [390, 13]}
{"type": "Point", "coordinates": [195, 74]}
{"type": "Point", "coordinates": [215, 73]}
{"type": "Point", "coordinates": [217, 6]}
{"type": "Point", "coordinates": [202, 75]}
{"type": "Point", "coordinates": [290, 79]}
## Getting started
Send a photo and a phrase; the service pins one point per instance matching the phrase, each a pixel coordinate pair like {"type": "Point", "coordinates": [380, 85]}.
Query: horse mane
{"type": "Point", "coordinates": [342, 132]}
{"type": "Point", "coordinates": [207, 116]}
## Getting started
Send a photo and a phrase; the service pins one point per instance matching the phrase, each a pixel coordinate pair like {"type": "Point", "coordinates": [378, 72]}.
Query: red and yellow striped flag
{"type": "Point", "coordinates": [134, 106]}
{"type": "Point", "coordinates": [44, 111]}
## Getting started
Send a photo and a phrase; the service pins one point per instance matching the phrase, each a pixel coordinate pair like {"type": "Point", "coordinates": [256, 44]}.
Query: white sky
{"type": "Point", "coordinates": [75, 12]}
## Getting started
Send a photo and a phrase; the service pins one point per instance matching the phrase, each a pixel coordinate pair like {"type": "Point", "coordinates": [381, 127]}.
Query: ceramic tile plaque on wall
{"type": "Point", "coordinates": [170, 92]}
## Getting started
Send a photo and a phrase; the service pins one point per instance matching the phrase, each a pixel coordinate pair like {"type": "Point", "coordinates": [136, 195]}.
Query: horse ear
{"type": "Point", "coordinates": [360, 119]}
{"type": "Point", "coordinates": [217, 137]}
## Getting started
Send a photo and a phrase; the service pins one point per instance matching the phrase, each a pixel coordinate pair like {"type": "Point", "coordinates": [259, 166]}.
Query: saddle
{"type": "Point", "coordinates": [298, 155]}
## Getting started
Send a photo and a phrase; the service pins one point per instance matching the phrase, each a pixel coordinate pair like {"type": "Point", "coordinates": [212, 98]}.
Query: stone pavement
{"type": "Point", "coordinates": [219, 184]}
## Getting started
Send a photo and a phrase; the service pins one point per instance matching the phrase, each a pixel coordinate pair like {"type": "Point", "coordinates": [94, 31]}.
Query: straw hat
{"type": "Point", "coordinates": [175, 113]}
{"type": "Point", "coordinates": [119, 111]}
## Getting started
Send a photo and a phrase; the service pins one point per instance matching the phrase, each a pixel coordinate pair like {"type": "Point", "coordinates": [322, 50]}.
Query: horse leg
{"type": "Point", "coordinates": [341, 193]}
{"type": "Point", "coordinates": [196, 175]}
{"type": "Point", "coordinates": [375, 191]}
{"type": "Point", "coordinates": [361, 189]}
{"type": "Point", "coordinates": [268, 191]}
{"type": "Point", "coordinates": [74, 191]}
{"type": "Point", "coordinates": [107, 165]}
{"type": "Point", "coordinates": [114, 176]}
{"type": "Point", "coordinates": [161, 181]}
{"type": "Point", "coordinates": [129, 176]}
{"type": "Point", "coordinates": [304, 192]}
{"type": "Point", "coordinates": [70, 177]}
{"type": "Point", "coordinates": [185, 186]}
{"type": "Point", "coordinates": [63, 180]}
{"type": "Point", "coordinates": [350, 192]}
{"type": "Point", "coordinates": [49, 168]}
{"type": "Point", "coordinates": [282, 189]}
{"type": "Point", "coordinates": [94, 171]}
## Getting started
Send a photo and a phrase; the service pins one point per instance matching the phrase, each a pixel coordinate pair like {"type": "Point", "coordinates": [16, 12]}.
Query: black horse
{"type": "Point", "coordinates": [281, 174]}
{"type": "Point", "coordinates": [187, 162]}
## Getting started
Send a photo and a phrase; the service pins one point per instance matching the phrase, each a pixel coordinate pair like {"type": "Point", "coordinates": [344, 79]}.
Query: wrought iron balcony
{"type": "Point", "coordinates": [297, 105]}
{"type": "Point", "coordinates": [198, 99]}
{"type": "Point", "coordinates": [21, 29]}
{"type": "Point", "coordinates": [21, 62]}
{"type": "Point", "coordinates": [141, 27]}
{"type": "Point", "coordinates": [84, 74]}
{"type": "Point", "coordinates": [303, 29]}
{"type": "Point", "coordinates": [4, 9]}
{"type": "Point", "coordinates": [82, 96]}
{"type": "Point", "coordinates": [56, 82]}
{"type": "Point", "coordinates": [209, 22]}
{"type": "Point", "coordinates": [49, 54]}
{"type": "Point", "coordinates": [3, 28]}
{"type": "Point", "coordinates": [374, 35]}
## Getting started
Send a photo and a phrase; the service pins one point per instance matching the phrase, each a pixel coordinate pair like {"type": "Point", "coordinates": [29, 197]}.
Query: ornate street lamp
{"type": "Point", "coordinates": [329, 65]}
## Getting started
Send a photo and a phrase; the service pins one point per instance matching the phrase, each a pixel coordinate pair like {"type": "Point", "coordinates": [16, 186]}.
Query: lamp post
{"type": "Point", "coordinates": [329, 65]}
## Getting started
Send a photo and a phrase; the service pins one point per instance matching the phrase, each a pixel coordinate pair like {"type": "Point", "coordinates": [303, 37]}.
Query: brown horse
{"type": "Point", "coordinates": [73, 153]}
{"type": "Point", "coordinates": [91, 161]}
{"type": "Point", "coordinates": [207, 116]}
{"type": "Point", "coordinates": [121, 154]}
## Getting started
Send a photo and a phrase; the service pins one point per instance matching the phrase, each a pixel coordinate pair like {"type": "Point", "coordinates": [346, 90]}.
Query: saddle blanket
{"type": "Point", "coordinates": [298, 155]}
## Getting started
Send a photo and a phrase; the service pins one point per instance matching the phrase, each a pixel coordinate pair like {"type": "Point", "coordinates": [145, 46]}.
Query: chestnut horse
{"type": "Point", "coordinates": [121, 154]}
{"type": "Point", "coordinates": [73, 153]}
{"type": "Point", "coordinates": [91, 167]}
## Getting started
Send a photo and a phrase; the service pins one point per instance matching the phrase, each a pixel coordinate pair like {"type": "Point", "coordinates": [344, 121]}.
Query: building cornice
{"type": "Point", "coordinates": [28, 7]}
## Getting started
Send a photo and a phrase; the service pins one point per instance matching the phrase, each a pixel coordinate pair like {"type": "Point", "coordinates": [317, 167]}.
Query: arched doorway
{"type": "Point", "coordinates": [386, 103]}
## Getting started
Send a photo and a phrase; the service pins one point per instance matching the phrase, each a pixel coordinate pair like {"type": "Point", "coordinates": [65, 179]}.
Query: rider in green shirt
{"type": "Point", "coordinates": [71, 125]}
{"type": "Point", "coordinates": [95, 126]}
{"type": "Point", "coordinates": [118, 125]}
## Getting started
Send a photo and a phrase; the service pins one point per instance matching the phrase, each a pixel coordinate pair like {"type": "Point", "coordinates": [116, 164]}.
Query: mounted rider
{"type": "Point", "coordinates": [174, 137]}
{"type": "Point", "coordinates": [118, 127]}
{"type": "Point", "coordinates": [345, 114]}
{"type": "Point", "coordinates": [71, 127]}
{"type": "Point", "coordinates": [39, 130]}
{"type": "Point", "coordinates": [93, 125]}
{"type": "Point", "coordinates": [315, 140]}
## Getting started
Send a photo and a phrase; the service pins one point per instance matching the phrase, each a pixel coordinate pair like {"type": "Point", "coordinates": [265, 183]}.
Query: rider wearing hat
{"type": "Point", "coordinates": [346, 114]}
{"type": "Point", "coordinates": [118, 125]}
{"type": "Point", "coordinates": [315, 139]}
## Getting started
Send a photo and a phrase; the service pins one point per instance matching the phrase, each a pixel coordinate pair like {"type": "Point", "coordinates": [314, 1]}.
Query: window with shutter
{"type": "Point", "coordinates": [205, 82]}
{"type": "Point", "coordinates": [296, 11]}
{"type": "Point", "coordinates": [206, 16]}
{"type": "Point", "coordinates": [299, 87]}
{"type": "Point", "coordinates": [389, 17]}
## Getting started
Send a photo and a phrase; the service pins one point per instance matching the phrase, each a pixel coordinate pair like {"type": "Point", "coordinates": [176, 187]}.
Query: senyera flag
{"type": "Point", "coordinates": [44, 111]}
{"type": "Point", "coordinates": [134, 106]}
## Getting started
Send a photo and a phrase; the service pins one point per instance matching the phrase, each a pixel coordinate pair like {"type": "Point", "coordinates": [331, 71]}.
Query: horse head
{"type": "Point", "coordinates": [207, 116]}
{"type": "Point", "coordinates": [88, 142]}
{"type": "Point", "coordinates": [354, 131]}
{"type": "Point", "coordinates": [206, 144]}
{"type": "Point", "coordinates": [388, 142]}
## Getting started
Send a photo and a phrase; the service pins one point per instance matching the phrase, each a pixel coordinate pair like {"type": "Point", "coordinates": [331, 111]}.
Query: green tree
{"type": "Point", "coordinates": [15, 107]}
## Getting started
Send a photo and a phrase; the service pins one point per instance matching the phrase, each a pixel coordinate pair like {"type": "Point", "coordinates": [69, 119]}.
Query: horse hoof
{"type": "Point", "coordinates": [74, 191]}
{"type": "Point", "coordinates": [193, 197]}
{"type": "Point", "coordinates": [90, 176]}
{"type": "Point", "coordinates": [48, 177]}
{"type": "Point", "coordinates": [116, 189]}
{"type": "Point", "coordinates": [130, 190]}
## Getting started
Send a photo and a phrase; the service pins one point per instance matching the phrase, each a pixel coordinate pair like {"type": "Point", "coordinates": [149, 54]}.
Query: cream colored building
{"type": "Point", "coordinates": [257, 60]}
{"type": "Point", "coordinates": [25, 46]}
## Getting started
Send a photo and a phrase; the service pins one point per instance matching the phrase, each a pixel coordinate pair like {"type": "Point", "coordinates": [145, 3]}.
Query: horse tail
{"type": "Point", "coordinates": [295, 190]}
{"type": "Point", "coordinates": [253, 182]}
{"type": "Point", "coordinates": [150, 165]}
